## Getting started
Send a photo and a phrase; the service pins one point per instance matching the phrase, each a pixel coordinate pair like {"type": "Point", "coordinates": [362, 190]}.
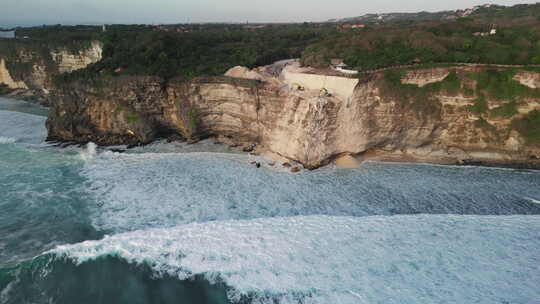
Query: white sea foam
{"type": "Point", "coordinates": [89, 152]}
{"type": "Point", "coordinates": [534, 201]}
{"type": "Point", "coordinates": [138, 191]}
{"type": "Point", "coordinates": [24, 128]}
{"type": "Point", "coordinates": [7, 140]}
{"type": "Point", "coordinates": [320, 259]}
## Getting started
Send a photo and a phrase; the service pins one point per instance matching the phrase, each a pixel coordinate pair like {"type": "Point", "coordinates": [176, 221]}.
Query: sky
{"type": "Point", "coordinates": [36, 12]}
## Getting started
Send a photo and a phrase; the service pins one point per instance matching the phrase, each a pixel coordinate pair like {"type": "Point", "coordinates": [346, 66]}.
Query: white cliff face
{"type": "Point", "coordinates": [5, 77]}
{"type": "Point", "coordinates": [313, 129]}
{"type": "Point", "coordinates": [37, 81]}
{"type": "Point", "coordinates": [294, 75]}
{"type": "Point", "coordinates": [305, 125]}
{"type": "Point", "coordinates": [302, 128]}
{"type": "Point", "coordinates": [69, 62]}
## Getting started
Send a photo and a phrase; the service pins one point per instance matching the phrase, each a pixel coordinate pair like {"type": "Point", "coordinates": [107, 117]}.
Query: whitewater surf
{"type": "Point", "coordinates": [168, 223]}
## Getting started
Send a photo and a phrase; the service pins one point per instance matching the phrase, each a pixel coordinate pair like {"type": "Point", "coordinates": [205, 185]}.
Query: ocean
{"type": "Point", "coordinates": [178, 223]}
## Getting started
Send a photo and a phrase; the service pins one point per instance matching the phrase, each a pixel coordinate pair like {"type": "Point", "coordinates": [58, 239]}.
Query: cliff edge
{"type": "Point", "coordinates": [443, 115]}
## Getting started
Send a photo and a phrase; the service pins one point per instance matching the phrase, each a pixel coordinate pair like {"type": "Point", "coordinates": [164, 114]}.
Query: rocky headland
{"type": "Point", "coordinates": [27, 69]}
{"type": "Point", "coordinates": [311, 116]}
{"type": "Point", "coordinates": [291, 113]}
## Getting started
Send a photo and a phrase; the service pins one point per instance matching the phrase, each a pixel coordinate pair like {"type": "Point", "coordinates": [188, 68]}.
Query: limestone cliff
{"type": "Point", "coordinates": [28, 68]}
{"type": "Point", "coordinates": [300, 115]}
{"type": "Point", "coordinates": [69, 61]}
{"type": "Point", "coordinates": [5, 77]}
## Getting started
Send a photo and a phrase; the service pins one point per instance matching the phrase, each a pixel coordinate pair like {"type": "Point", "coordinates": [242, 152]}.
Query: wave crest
{"type": "Point", "coordinates": [321, 259]}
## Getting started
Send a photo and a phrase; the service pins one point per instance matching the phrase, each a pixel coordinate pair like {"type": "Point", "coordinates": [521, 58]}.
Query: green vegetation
{"type": "Point", "coordinates": [507, 110]}
{"type": "Point", "coordinates": [202, 53]}
{"type": "Point", "coordinates": [119, 109]}
{"type": "Point", "coordinates": [68, 37]}
{"type": "Point", "coordinates": [442, 41]}
{"type": "Point", "coordinates": [18, 69]}
{"type": "Point", "coordinates": [480, 105]}
{"type": "Point", "coordinates": [186, 51]}
{"type": "Point", "coordinates": [193, 115]}
{"type": "Point", "coordinates": [529, 127]}
{"type": "Point", "coordinates": [22, 54]}
{"type": "Point", "coordinates": [419, 99]}
{"type": "Point", "coordinates": [500, 84]}
{"type": "Point", "coordinates": [131, 117]}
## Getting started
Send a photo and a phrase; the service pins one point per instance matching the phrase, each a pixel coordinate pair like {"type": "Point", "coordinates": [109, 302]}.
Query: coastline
{"type": "Point", "coordinates": [447, 161]}
{"type": "Point", "coordinates": [352, 161]}
{"type": "Point", "coordinates": [26, 95]}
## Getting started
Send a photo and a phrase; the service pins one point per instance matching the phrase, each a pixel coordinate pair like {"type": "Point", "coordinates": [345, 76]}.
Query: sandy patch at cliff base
{"type": "Point", "coordinates": [347, 161]}
{"type": "Point", "coordinates": [380, 155]}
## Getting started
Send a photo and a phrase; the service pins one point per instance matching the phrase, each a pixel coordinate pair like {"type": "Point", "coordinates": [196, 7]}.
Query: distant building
{"type": "Point", "coordinates": [340, 66]}
{"type": "Point", "coordinates": [351, 26]}
{"type": "Point", "coordinates": [492, 32]}
{"type": "Point", "coordinates": [104, 28]}
{"type": "Point", "coordinates": [355, 26]}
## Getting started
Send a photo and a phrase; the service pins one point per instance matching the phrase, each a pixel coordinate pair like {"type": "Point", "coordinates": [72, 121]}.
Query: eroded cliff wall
{"type": "Point", "coordinates": [429, 115]}
{"type": "Point", "coordinates": [29, 67]}
{"type": "Point", "coordinates": [72, 60]}
{"type": "Point", "coordinates": [6, 79]}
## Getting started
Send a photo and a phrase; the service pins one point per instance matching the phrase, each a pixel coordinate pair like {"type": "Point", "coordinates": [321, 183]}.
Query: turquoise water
{"type": "Point", "coordinates": [169, 223]}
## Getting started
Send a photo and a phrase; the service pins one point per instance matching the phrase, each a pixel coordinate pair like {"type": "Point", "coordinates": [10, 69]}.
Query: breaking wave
{"type": "Point", "coordinates": [7, 140]}
{"type": "Point", "coordinates": [211, 228]}
{"type": "Point", "coordinates": [322, 259]}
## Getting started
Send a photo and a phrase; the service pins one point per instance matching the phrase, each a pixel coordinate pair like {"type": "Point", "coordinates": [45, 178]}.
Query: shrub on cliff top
{"type": "Point", "coordinates": [500, 84]}
{"type": "Point", "coordinates": [419, 99]}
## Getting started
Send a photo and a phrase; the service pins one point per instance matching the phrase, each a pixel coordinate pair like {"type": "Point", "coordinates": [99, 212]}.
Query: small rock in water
{"type": "Point", "coordinates": [272, 164]}
{"type": "Point", "coordinates": [295, 170]}
{"type": "Point", "coordinates": [118, 150]}
{"type": "Point", "coordinates": [258, 165]}
{"type": "Point", "coordinates": [286, 165]}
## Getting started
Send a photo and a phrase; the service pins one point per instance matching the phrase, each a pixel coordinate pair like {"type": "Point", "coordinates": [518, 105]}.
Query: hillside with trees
{"type": "Point", "coordinates": [466, 40]}
{"type": "Point", "coordinates": [491, 35]}
{"type": "Point", "coordinates": [170, 53]}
